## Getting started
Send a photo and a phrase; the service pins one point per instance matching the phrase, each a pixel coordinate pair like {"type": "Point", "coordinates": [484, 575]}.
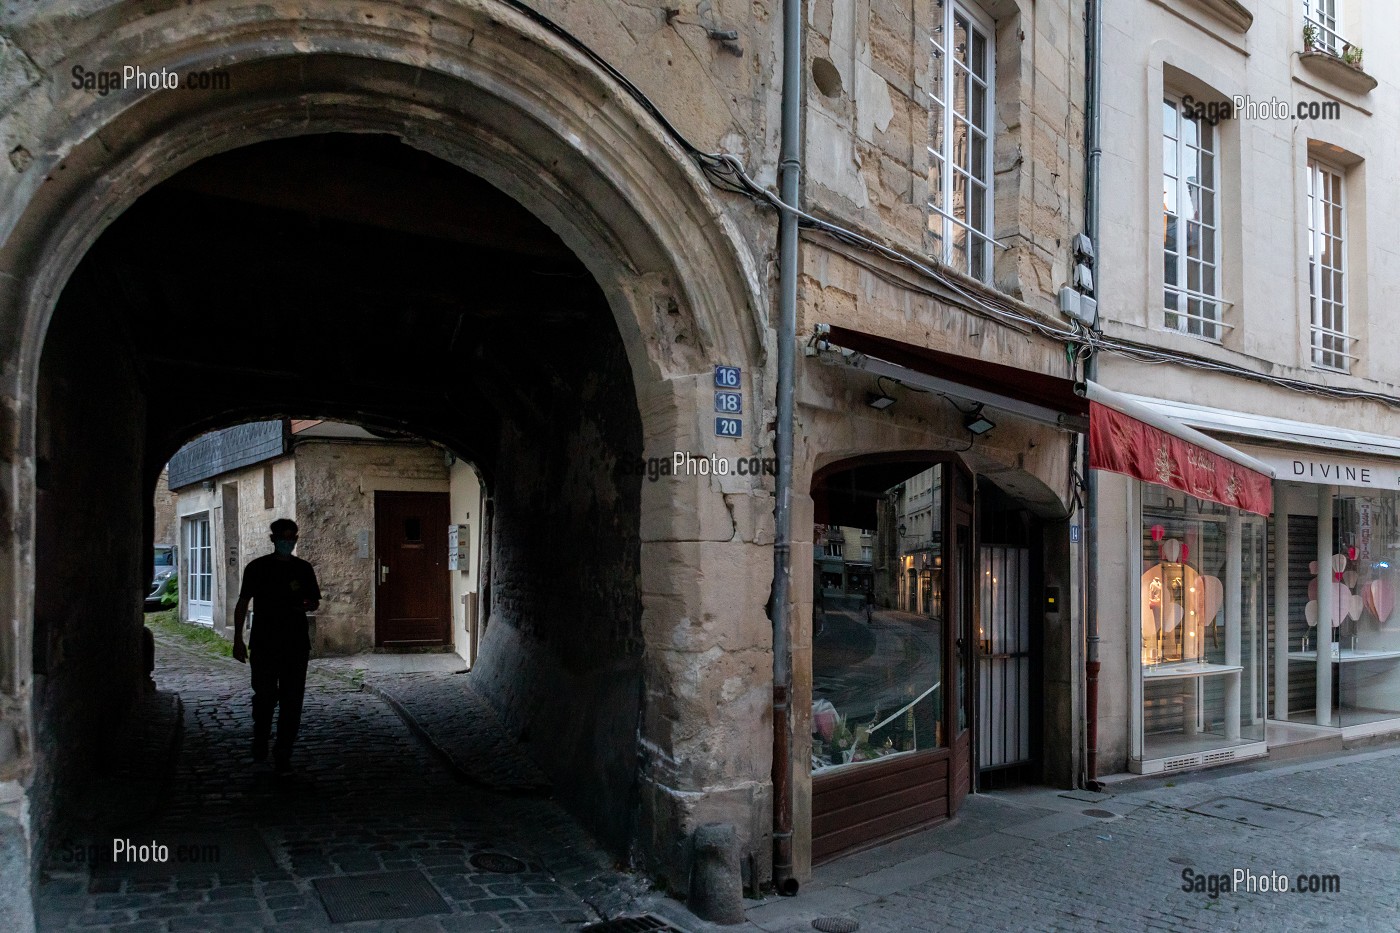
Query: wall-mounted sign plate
{"type": "Point", "coordinates": [729, 403]}
{"type": "Point", "coordinates": [729, 427]}
{"type": "Point", "coordinates": [726, 377]}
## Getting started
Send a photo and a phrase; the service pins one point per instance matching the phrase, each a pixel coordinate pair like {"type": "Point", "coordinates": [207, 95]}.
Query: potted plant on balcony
{"type": "Point", "coordinates": [1351, 54]}
{"type": "Point", "coordinates": [1310, 36]}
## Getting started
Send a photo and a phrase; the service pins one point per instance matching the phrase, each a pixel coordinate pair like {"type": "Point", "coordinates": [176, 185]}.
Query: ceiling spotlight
{"type": "Point", "coordinates": [877, 401]}
{"type": "Point", "coordinates": [978, 423]}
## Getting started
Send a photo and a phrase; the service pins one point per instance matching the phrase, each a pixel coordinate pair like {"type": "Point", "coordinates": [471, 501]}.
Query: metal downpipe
{"type": "Point", "coordinates": [790, 176]}
{"type": "Point", "coordinates": [1092, 111]}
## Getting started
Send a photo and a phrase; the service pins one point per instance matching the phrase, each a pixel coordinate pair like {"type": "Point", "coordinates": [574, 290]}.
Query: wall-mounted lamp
{"type": "Point", "coordinates": [877, 401]}
{"type": "Point", "coordinates": [978, 423]}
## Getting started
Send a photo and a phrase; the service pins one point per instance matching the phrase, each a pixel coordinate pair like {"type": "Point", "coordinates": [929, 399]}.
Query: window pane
{"type": "Point", "coordinates": [979, 55]}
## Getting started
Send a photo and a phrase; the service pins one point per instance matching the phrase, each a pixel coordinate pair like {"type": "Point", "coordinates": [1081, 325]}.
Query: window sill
{"type": "Point", "coordinates": [1329, 66]}
{"type": "Point", "coordinates": [1230, 12]}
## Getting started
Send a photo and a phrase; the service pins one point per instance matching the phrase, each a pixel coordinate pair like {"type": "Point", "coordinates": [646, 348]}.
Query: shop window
{"type": "Point", "coordinates": [878, 686]}
{"type": "Point", "coordinates": [1203, 601]}
{"type": "Point", "coordinates": [1354, 624]}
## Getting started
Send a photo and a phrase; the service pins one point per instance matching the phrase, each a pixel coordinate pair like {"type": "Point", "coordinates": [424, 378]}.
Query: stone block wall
{"type": "Point", "coordinates": [91, 549]}
{"type": "Point", "coordinates": [335, 486]}
{"type": "Point", "coordinates": [869, 102]}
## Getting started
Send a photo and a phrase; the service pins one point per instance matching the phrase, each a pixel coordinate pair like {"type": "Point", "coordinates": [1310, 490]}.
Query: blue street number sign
{"type": "Point", "coordinates": [726, 377]}
{"type": "Point", "coordinates": [729, 427]}
{"type": "Point", "coordinates": [729, 403]}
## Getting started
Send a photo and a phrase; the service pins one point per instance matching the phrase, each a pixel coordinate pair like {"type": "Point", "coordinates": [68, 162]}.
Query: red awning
{"type": "Point", "coordinates": [1122, 443]}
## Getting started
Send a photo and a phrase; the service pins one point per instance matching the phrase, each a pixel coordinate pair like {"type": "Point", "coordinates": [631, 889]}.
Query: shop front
{"type": "Point", "coordinates": [1335, 636]}
{"type": "Point", "coordinates": [937, 680]}
{"type": "Point", "coordinates": [1332, 633]}
{"type": "Point", "coordinates": [1196, 599]}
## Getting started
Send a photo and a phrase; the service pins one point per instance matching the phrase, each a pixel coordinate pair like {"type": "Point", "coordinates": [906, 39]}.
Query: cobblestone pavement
{"type": "Point", "coordinates": [1036, 860]}
{"type": "Point", "coordinates": [461, 726]}
{"type": "Point", "coordinates": [367, 796]}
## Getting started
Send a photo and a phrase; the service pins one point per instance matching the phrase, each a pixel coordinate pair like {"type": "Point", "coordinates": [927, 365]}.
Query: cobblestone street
{"type": "Point", "coordinates": [371, 798]}
{"type": "Point", "coordinates": [367, 796]}
{"type": "Point", "coordinates": [1042, 860]}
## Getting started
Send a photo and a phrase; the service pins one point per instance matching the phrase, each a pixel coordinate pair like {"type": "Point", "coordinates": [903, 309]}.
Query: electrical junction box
{"type": "Point", "coordinates": [459, 547]}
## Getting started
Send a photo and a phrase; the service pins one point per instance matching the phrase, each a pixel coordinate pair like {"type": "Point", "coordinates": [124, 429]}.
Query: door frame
{"type": "Point", "coordinates": [189, 523]}
{"type": "Point", "coordinates": [376, 573]}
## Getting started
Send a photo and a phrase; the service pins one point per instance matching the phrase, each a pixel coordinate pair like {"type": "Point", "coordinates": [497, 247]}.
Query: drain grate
{"type": "Point", "coordinates": [1254, 813]}
{"type": "Point", "coordinates": [836, 925]}
{"type": "Point", "coordinates": [646, 923]}
{"type": "Point", "coordinates": [498, 863]}
{"type": "Point", "coordinates": [384, 895]}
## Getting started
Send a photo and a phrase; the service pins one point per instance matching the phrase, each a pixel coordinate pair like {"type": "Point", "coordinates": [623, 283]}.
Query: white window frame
{"type": "Point", "coordinates": [1197, 312]}
{"type": "Point", "coordinates": [199, 568]}
{"type": "Point", "coordinates": [1326, 15]}
{"type": "Point", "coordinates": [1329, 347]}
{"type": "Point", "coordinates": [944, 224]}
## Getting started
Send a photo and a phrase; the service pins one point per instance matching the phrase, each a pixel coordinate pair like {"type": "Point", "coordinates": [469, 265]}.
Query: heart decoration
{"type": "Point", "coordinates": [1210, 596]}
{"type": "Point", "coordinates": [1351, 552]}
{"type": "Point", "coordinates": [1379, 597]}
{"type": "Point", "coordinates": [1170, 550]}
{"type": "Point", "coordinates": [1358, 605]}
{"type": "Point", "coordinates": [1339, 563]}
{"type": "Point", "coordinates": [1342, 607]}
{"type": "Point", "coordinates": [1312, 567]}
{"type": "Point", "coordinates": [1350, 578]}
{"type": "Point", "coordinates": [1158, 532]}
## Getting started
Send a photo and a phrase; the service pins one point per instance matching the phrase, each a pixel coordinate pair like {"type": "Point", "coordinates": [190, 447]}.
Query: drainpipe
{"type": "Point", "coordinates": [1092, 109]}
{"type": "Point", "coordinates": [790, 175]}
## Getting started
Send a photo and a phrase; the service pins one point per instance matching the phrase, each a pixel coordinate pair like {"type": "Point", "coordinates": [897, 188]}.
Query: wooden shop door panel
{"type": "Point", "coordinates": [412, 605]}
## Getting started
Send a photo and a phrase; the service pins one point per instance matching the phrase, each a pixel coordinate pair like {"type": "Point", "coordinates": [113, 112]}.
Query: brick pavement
{"type": "Point", "coordinates": [367, 797]}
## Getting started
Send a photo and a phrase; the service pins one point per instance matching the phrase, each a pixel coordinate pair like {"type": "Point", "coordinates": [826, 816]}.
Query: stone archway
{"type": "Point", "coordinates": [492, 93]}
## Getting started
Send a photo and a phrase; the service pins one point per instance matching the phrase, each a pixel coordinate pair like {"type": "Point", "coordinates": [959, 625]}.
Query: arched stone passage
{"type": "Point", "coordinates": [486, 92]}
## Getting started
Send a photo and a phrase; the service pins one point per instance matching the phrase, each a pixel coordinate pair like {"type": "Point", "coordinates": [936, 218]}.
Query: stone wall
{"type": "Point", "coordinates": [868, 130]}
{"type": "Point", "coordinates": [564, 631]}
{"type": "Point", "coordinates": [335, 486]}
{"type": "Point", "coordinates": [91, 561]}
{"type": "Point", "coordinates": [167, 529]}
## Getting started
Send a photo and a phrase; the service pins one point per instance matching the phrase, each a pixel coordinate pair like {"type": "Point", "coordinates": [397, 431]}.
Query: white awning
{"type": "Point", "coordinates": [1272, 430]}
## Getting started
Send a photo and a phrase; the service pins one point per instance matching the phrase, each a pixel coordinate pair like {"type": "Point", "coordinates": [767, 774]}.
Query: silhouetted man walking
{"type": "Point", "coordinates": [283, 590]}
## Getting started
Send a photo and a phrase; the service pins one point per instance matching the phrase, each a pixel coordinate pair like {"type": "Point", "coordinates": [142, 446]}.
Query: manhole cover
{"type": "Point", "coordinates": [1254, 813]}
{"type": "Point", "coordinates": [647, 923]}
{"type": "Point", "coordinates": [497, 863]}
{"type": "Point", "coordinates": [385, 895]}
{"type": "Point", "coordinates": [835, 925]}
{"type": "Point", "coordinates": [1101, 814]}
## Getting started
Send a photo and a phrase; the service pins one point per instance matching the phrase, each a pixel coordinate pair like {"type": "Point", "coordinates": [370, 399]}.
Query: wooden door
{"type": "Point", "coordinates": [412, 605]}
